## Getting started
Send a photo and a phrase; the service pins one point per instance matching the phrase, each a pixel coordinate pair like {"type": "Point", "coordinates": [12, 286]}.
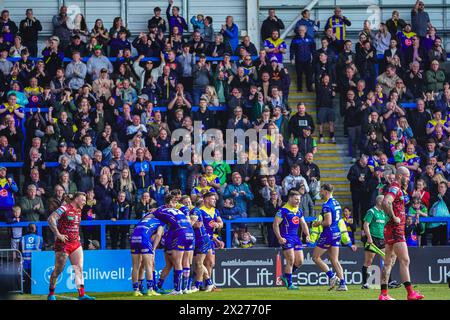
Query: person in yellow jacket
{"type": "Point", "coordinates": [345, 237]}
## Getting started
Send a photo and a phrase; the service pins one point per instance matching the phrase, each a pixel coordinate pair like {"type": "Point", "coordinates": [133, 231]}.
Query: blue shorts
{"type": "Point", "coordinates": [180, 240]}
{"type": "Point", "coordinates": [203, 245]}
{"type": "Point", "coordinates": [141, 244]}
{"type": "Point", "coordinates": [329, 239]}
{"type": "Point", "coordinates": [292, 242]}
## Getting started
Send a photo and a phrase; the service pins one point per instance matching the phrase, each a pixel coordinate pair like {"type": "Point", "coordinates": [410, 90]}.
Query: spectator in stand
{"type": "Point", "coordinates": [418, 119]}
{"type": "Point", "coordinates": [230, 32]}
{"type": "Point", "coordinates": [405, 38]}
{"type": "Point", "coordinates": [365, 61]}
{"type": "Point", "coordinates": [302, 49]}
{"type": "Point", "coordinates": [325, 94]}
{"type": "Point", "coordinates": [437, 52]}
{"type": "Point", "coordinates": [420, 21]}
{"type": "Point", "coordinates": [157, 21]}
{"type": "Point", "coordinates": [440, 209]}
{"type": "Point", "coordinates": [175, 20]}
{"type": "Point", "coordinates": [240, 193]}
{"type": "Point", "coordinates": [311, 26]}
{"type": "Point", "coordinates": [428, 41]}
{"type": "Point", "coordinates": [249, 47]}
{"type": "Point", "coordinates": [271, 23]}
{"type": "Point", "coordinates": [353, 118]}
{"type": "Point", "coordinates": [435, 77]}
{"type": "Point", "coordinates": [32, 206]}
{"type": "Point", "coordinates": [76, 72]}
{"type": "Point", "coordinates": [275, 47]}
{"type": "Point", "coordinates": [395, 24]}
{"type": "Point", "coordinates": [97, 62]}
{"type": "Point", "coordinates": [121, 210]}
{"type": "Point", "coordinates": [388, 79]}
{"type": "Point", "coordinates": [311, 172]}
{"type": "Point", "coordinates": [382, 39]}
{"type": "Point", "coordinates": [359, 176]}
{"type": "Point", "coordinates": [339, 23]}
{"type": "Point", "coordinates": [104, 194]}
{"type": "Point", "coordinates": [60, 27]}
{"type": "Point", "coordinates": [416, 52]}
{"type": "Point", "coordinates": [7, 189]}
{"type": "Point", "coordinates": [293, 181]}
{"type": "Point", "coordinates": [100, 33]}
{"type": "Point", "coordinates": [415, 80]}
{"type": "Point", "coordinates": [299, 121]}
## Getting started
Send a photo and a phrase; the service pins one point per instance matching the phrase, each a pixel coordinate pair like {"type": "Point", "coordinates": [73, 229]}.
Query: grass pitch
{"type": "Point", "coordinates": [431, 292]}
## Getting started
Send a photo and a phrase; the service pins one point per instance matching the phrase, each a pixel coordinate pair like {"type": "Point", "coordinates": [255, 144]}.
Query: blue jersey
{"type": "Point", "coordinates": [291, 219]}
{"type": "Point", "coordinates": [147, 226]}
{"type": "Point", "coordinates": [175, 219]}
{"type": "Point", "coordinates": [333, 207]}
{"type": "Point", "coordinates": [201, 231]}
{"type": "Point", "coordinates": [208, 216]}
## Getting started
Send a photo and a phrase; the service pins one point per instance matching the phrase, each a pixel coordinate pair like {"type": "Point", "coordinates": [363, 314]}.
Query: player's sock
{"type": "Point", "coordinates": [198, 284]}
{"type": "Point", "coordinates": [150, 284]}
{"type": "Point", "coordinates": [330, 274]}
{"type": "Point", "coordinates": [342, 282]}
{"type": "Point", "coordinates": [140, 286]}
{"type": "Point", "coordinates": [186, 273]}
{"type": "Point", "coordinates": [81, 291]}
{"type": "Point", "coordinates": [408, 287]}
{"type": "Point", "coordinates": [364, 274]}
{"type": "Point", "coordinates": [384, 289]}
{"type": "Point", "coordinates": [289, 278]}
{"type": "Point", "coordinates": [209, 282]}
{"type": "Point", "coordinates": [177, 283]}
{"type": "Point", "coordinates": [155, 287]}
{"type": "Point", "coordinates": [135, 286]}
{"type": "Point", "coordinates": [160, 283]}
{"type": "Point", "coordinates": [51, 291]}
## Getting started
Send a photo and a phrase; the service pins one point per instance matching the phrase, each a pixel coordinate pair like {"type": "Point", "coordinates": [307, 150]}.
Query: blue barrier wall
{"type": "Point", "coordinates": [105, 271]}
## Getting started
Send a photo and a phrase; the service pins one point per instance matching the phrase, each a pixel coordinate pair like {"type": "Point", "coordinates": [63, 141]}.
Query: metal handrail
{"type": "Point", "coordinates": [228, 223]}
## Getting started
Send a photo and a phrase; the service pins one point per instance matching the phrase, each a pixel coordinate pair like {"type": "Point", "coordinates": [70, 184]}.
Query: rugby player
{"type": "Point", "coordinates": [373, 226]}
{"type": "Point", "coordinates": [212, 222]}
{"type": "Point", "coordinates": [394, 235]}
{"type": "Point", "coordinates": [290, 217]}
{"type": "Point", "coordinates": [142, 253]}
{"type": "Point", "coordinates": [187, 260]}
{"type": "Point", "coordinates": [65, 225]}
{"type": "Point", "coordinates": [330, 238]}
{"type": "Point", "coordinates": [203, 246]}
{"type": "Point", "coordinates": [179, 239]}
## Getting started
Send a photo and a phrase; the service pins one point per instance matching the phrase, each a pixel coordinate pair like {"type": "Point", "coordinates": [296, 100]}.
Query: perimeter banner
{"type": "Point", "coordinates": [110, 270]}
{"type": "Point", "coordinates": [104, 271]}
{"type": "Point", "coordinates": [263, 267]}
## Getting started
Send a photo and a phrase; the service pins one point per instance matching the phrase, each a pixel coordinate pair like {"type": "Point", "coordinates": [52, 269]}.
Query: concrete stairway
{"type": "Point", "coordinates": [332, 159]}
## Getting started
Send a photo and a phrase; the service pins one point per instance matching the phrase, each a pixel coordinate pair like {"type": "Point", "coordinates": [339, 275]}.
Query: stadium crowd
{"type": "Point", "coordinates": [104, 130]}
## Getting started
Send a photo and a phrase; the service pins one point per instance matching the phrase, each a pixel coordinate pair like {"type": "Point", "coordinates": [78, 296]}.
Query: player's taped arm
{"type": "Point", "coordinates": [220, 222]}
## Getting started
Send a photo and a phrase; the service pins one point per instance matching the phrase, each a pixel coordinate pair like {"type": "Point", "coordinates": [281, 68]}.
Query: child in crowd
{"type": "Point", "coordinates": [411, 233]}
{"type": "Point", "coordinates": [16, 233]}
{"type": "Point", "coordinates": [349, 223]}
{"type": "Point", "coordinates": [417, 210]}
{"type": "Point", "coordinates": [243, 239]}
{"type": "Point", "coordinates": [198, 23]}
{"type": "Point", "coordinates": [229, 211]}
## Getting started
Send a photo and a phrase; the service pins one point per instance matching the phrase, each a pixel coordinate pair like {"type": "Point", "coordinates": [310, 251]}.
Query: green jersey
{"type": "Point", "coordinates": [377, 220]}
{"type": "Point", "coordinates": [221, 170]}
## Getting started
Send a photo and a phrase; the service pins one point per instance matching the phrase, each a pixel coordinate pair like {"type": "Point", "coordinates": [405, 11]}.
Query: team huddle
{"type": "Point", "coordinates": [190, 234]}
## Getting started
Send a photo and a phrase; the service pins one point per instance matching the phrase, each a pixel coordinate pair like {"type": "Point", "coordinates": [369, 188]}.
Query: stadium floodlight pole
{"type": "Point", "coordinates": [286, 31]}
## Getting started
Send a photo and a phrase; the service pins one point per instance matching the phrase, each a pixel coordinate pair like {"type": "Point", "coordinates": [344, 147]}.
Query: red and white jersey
{"type": "Point", "coordinates": [398, 205]}
{"type": "Point", "coordinates": [69, 222]}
